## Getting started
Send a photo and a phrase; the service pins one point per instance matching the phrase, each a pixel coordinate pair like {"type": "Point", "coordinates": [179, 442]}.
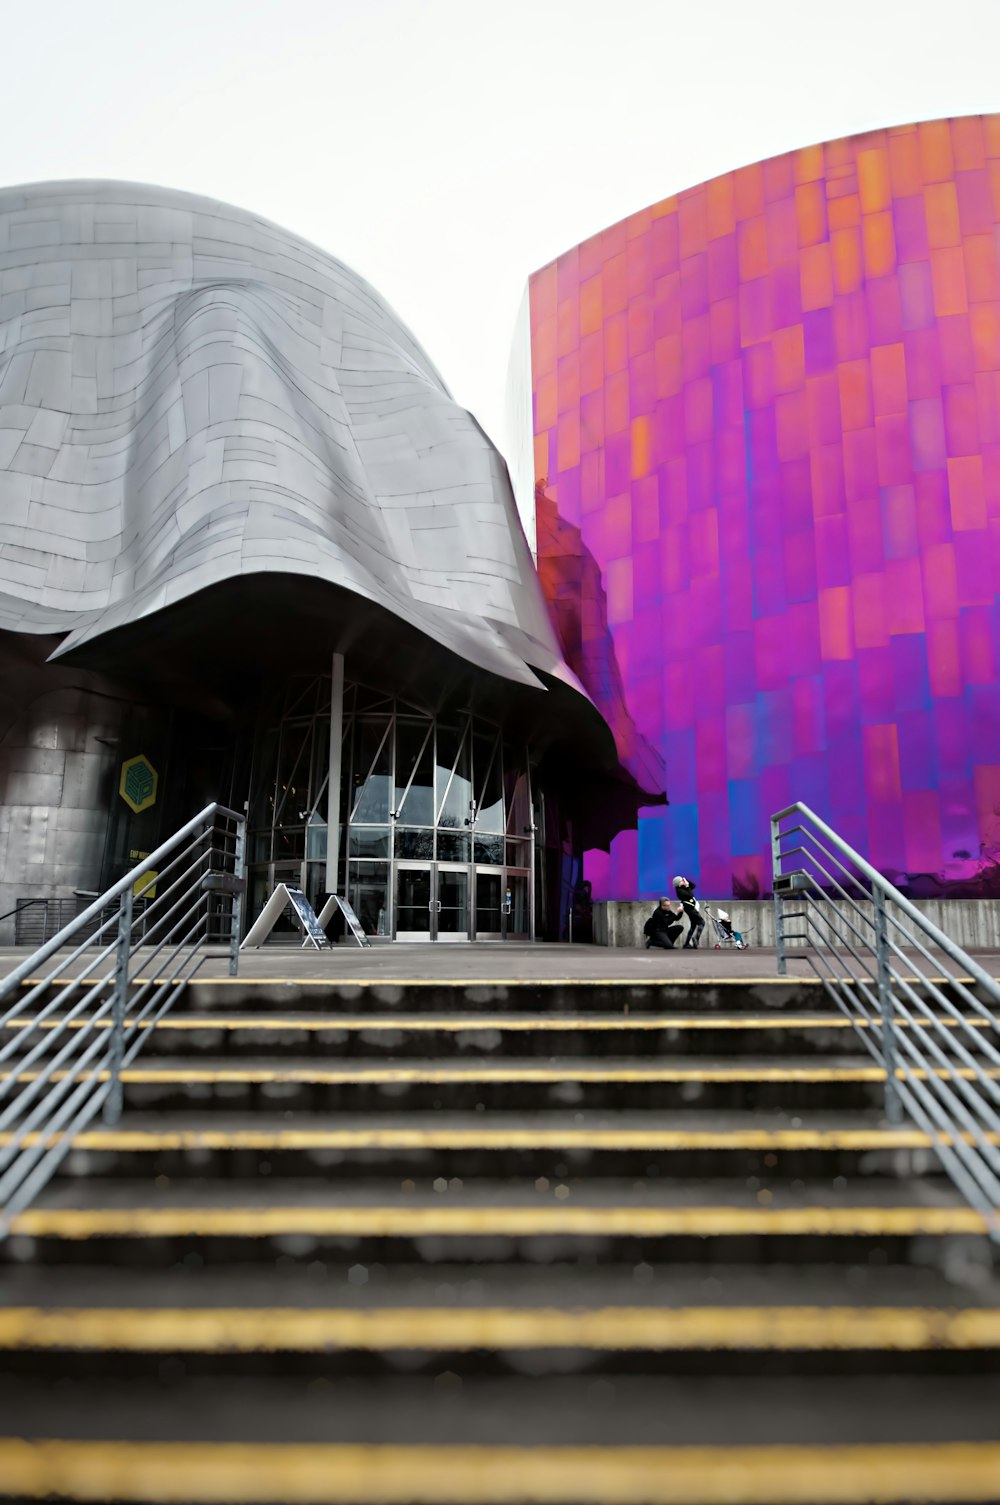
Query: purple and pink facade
{"type": "Point", "coordinates": [767, 464]}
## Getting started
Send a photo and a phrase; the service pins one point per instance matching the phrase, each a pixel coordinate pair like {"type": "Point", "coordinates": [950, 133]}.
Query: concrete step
{"type": "Point", "coordinates": [189, 1144]}
{"type": "Point", "coordinates": [487, 1411]}
{"type": "Point", "coordinates": [484, 1220]}
{"type": "Point", "coordinates": [637, 1440]}
{"type": "Point", "coordinates": [951, 1284]}
{"type": "Point", "coordinates": [564, 1336]}
{"type": "Point", "coordinates": [754, 1082]}
{"type": "Point", "coordinates": [456, 1035]}
{"type": "Point", "coordinates": [754, 989]}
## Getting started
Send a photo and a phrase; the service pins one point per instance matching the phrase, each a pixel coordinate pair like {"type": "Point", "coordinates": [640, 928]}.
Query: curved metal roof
{"type": "Point", "coordinates": [191, 394]}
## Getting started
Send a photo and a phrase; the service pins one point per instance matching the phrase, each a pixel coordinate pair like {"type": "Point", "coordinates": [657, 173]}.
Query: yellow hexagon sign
{"type": "Point", "coordinates": [137, 785]}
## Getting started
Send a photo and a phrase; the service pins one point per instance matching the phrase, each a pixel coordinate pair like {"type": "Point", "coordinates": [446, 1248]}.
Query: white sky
{"type": "Point", "coordinates": [447, 148]}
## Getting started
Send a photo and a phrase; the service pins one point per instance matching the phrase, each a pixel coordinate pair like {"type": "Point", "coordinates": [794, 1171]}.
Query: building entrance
{"type": "Point", "coordinates": [438, 815]}
{"type": "Point", "coordinates": [447, 902]}
{"type": "Point", "coordinates": [432, 902]}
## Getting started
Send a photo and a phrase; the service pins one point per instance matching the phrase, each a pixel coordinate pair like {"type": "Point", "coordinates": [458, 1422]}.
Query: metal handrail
{"type": "Point", "coordinates": [21, 904]}
{"type": "Point", "coordinates": [65, 1038]}
{"type": "Point", "coordinates": [937, 1069]}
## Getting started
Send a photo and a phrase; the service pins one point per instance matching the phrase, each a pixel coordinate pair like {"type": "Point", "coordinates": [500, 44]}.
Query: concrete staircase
{"type": "Point", "coordinates": [500, 1241]}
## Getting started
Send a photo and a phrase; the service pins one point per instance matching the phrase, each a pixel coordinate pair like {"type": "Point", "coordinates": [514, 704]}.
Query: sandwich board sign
{"type": "Point", "coordinates": [313, 933]}
{"type": "Point", "coordinates": [335, 902]}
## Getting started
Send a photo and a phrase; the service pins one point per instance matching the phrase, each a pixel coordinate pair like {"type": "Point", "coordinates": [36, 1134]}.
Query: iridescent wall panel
{"type": "Point", "coordinates": [767, 410]}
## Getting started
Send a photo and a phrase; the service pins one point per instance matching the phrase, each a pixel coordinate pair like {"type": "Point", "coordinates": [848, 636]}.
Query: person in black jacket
{"type": "Point", "coordinates": [663, 926]}
{"type": "Point", "coordinates": [684, 889]}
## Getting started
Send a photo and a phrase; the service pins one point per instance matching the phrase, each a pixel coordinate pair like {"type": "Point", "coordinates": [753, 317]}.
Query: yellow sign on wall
{"type": "Point", "coordinates": [145, 886]}
{"type": "Point", "coordinates": [137, 785]}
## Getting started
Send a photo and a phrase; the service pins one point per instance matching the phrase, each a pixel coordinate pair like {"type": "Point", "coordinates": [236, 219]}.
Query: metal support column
{"type": "Point", "coordinates": [333, 788]}
{"type": "Point", "coordinates": [887, 1008]}
{"type": "Point", "coordinates": [779, 917]}
{"type": "Point", "coordinates": [113, 1102]}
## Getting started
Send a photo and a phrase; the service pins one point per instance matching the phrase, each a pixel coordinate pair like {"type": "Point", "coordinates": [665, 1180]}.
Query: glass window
{"type": "Point", "coordinates": [316, 837]}
{"type": "Point", "coordinates": [259, 891]}
{"type": "Point", "coordinates": [260, 846]}
{"type": "Point", "coordinates": [368, 892]}
{"type": "Point", "coordinates": [453, 846]}
{"type": "Point", "coordinates": [368, 841]}
{"type": "Point", "coordinates": [489, 788]}
{"type": "Point", "coordinates": [518, 803]}
{"type": "Point", "coordinates": [414, 843]}
{"type": "Point", "coordinates": [319, 781]}
{"type": "Point", "coordinates": [489, 849]}
{"type": "Point", "coordinates": [292, 793]}
{"type": "Point", "coordinates": [453, 781]}
{"type": "Point", "coordinates": [517, 919]}
{"type": "Point", "coordinates": [262, 803]}
{"type": "Point", "coordinates": [289, 842]}
{"type": "Point", "coordinates": [415, 768]}
{"type": "Point", "coordinates": [372, 769]}
{"type": "Point", "coordinates": [316, 884]}
{"type": "Point", "coordinates": [518, 853]}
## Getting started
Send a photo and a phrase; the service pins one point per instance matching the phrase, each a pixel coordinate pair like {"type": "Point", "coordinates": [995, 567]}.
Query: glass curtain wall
{"type": "Point", "coordinates": [437, 814]}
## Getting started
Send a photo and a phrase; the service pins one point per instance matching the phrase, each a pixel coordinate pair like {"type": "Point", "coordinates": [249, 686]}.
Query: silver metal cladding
{"type": "Point", "coordinates": [189, 394]}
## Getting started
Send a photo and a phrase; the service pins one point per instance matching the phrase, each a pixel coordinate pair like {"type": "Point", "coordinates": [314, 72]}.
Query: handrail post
{"type": "Point", "coordinates": [779, 917]}
{"type": "Point", "coordinates": [887, 1006]}
{"type": "Point", "coordinates": [236, 919]}
{"type": "Point", "coordinates": [113, 1103]}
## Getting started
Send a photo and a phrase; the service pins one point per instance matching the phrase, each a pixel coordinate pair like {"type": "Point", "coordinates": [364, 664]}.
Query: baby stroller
{"type": "Point", "coordinates": [723, 931]}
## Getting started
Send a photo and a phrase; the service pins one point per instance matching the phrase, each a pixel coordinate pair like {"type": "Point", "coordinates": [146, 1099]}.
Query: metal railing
{"type": "Point", "coordinates": [936, 1039]}
{"type": "Point", "coordinates": [73, 1026]}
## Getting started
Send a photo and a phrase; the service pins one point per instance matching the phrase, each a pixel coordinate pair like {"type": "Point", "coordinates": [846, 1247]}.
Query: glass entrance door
{"type": "Point", "coordinates": [414, 904]}
{"type": "Point", "coordinates": [489, 904]}
{"type": "Point", "coordinates": [432, 902]}
{"type": "Point", "coordinates": [451, 908]}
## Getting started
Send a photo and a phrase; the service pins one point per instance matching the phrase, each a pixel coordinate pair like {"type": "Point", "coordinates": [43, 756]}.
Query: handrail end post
{"type": "Point", "coordinates": [887, 1008]}
{"type": "Point", "coordinates": [113, 1101]}
{"type": "Point", "coordinates": [779, 917]}
{"type": "Point", "coordinates": [236, 916]}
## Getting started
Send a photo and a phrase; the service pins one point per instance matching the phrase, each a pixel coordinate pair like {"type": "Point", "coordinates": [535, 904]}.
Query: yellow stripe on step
{"type": "Point", "coordinates": [650, 981]}
{"type": "Point", "coordinates": [493, 983]}
{"type": "Point", "coordinates": [368, 984]}
{"type": "Point", "coordinates": [252, 1330]}
{"type": "Point", "coordinates": [441, 1075]}
{"type": "Point", "coordinates": [490, 1222]}
{"type": "Point", "coordinates": [350, 1474]}
{"type": "Point", "coordinates": [515, 1024]}
{"type": "Point", "coordinates": [667, 983]}
{"type": "Point", "coordinates": [137, 1140]}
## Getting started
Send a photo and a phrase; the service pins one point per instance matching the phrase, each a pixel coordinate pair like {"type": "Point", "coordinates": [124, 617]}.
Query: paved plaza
{"type": "Point", "coordinates": [499, 962]}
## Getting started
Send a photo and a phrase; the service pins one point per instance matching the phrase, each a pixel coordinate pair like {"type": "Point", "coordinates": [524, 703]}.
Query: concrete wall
{"type": "Point", "coordinates": [972, 923]}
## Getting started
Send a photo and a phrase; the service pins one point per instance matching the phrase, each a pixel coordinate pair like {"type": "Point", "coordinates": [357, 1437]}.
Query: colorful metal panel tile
{"type": "Point", "coordinates": [767, 410]}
